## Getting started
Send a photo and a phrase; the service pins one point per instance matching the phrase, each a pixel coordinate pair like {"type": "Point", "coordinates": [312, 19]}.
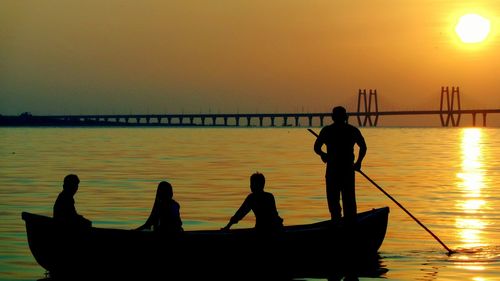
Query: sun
{"type": "Point", "coordinates": [472, 28]}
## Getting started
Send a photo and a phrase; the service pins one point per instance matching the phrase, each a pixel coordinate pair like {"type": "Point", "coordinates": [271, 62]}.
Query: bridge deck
{"type": "Point", "coordinates": [232, 119]}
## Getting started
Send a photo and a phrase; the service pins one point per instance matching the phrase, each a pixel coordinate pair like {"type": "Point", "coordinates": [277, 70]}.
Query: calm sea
{"type": "Point", "coordinates": [446, 177]}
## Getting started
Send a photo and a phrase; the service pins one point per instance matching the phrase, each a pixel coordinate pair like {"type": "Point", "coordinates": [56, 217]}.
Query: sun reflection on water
{"type": "Point", "coordinates": [472, 206]}
{"type": "Point", "coordinates": [470, 225]}
{"type": "Point", "coordinates": [472, 182]}
{"type": "Point", "coordinates": [471, 232]}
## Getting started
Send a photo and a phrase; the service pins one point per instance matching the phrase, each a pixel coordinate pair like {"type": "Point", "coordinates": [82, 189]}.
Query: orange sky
{"type": "Point", "coordinates": [86, 57]}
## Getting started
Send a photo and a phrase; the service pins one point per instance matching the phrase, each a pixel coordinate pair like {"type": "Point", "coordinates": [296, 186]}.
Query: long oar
{"type": "Point", "coordinates": [401, 206]}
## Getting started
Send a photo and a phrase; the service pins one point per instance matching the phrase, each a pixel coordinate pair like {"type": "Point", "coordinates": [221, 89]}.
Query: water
{"type": "Point", "coordinates": [447, 177]}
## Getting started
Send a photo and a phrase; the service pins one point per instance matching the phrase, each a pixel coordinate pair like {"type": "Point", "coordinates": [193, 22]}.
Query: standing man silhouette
{"type": "Point", "coordinates": [339, 139]}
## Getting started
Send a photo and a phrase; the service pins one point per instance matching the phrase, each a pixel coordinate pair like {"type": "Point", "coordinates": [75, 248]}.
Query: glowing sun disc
{"type": "Point", "coordinates": [472, 28]}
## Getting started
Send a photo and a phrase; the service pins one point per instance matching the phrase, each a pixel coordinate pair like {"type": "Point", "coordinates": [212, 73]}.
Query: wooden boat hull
{"type": "Point", "coordinates": [299, 250]}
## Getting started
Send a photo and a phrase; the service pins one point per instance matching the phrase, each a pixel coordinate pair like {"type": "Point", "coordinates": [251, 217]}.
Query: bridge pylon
{"type": "Point", "coordinates": [449, 108]}
{"type": "Point", "coordinates": [367, 107]}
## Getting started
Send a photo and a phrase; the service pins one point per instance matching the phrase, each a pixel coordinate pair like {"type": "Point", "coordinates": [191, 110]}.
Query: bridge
{"type": "Point", "coordinates": [367, 114]}
{"type": "Point", "coordinates": [260, 119]}
{"type": "Point", "coordinates": [450, 109]}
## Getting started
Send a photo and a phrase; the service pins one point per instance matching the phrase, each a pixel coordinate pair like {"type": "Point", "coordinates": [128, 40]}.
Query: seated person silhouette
{"type": "Point", "coordinates": [263, 206]}
{"type": "Point", "coordinates": [165, 215]}
{"type": "Point", "coordinates": [64, 207]}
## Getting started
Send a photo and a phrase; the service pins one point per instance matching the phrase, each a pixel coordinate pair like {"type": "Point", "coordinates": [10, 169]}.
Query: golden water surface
{"type": "Point", "coordinates": [448, 178]}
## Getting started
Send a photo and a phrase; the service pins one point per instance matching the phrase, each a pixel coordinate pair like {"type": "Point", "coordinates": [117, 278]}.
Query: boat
{"type": "Point", "coordinates": [299, 250]}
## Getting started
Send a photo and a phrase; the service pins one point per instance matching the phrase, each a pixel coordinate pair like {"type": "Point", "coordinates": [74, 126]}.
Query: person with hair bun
{"type": "Point", "coordinates": [165, 215]}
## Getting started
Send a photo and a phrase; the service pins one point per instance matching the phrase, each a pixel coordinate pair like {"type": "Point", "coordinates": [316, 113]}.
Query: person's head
{"type": "Point", "coordinates": [164, 191]}
{"type": "Point", "coordinates": [257, 182]}
{"type": "Point", "coordinates": [339, 114]}
{"type": "Point", "coordinates": [71, 183]}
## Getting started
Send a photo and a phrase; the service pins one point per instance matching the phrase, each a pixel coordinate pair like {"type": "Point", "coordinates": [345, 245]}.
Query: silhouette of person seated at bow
{"type": "Point", "coordinates": [262, 204]}
{"type": "Point", "coordinates": [165, 215]}
{"type": "Point", "coordinates": [64, 207]}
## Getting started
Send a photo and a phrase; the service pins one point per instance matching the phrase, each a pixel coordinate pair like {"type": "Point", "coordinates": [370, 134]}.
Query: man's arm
{"type": "Point", "coordinates": [361, 154]}
{"type": "Point", "coordinates": [244, 209]}
{"type": "Point", "coordinates": [318, 144]}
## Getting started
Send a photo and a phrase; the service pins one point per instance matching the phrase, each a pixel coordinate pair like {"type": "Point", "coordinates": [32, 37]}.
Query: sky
{"type": "Point", "coordinates": [245, 56]}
